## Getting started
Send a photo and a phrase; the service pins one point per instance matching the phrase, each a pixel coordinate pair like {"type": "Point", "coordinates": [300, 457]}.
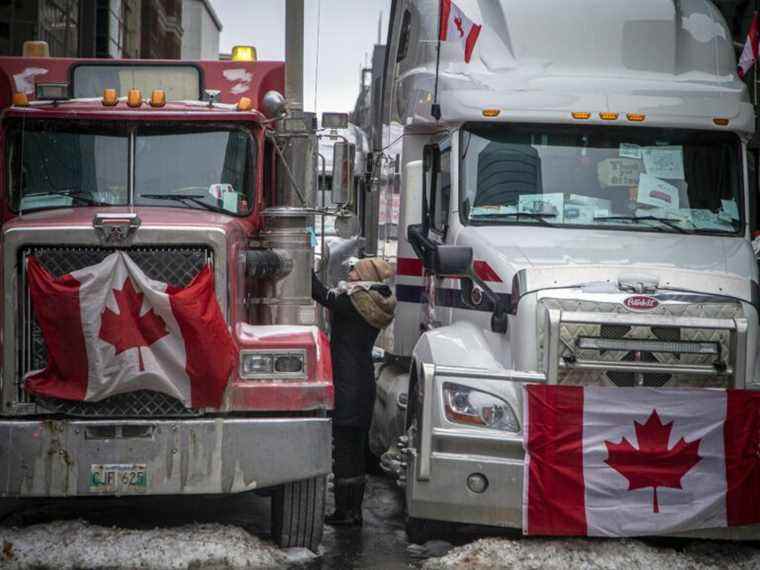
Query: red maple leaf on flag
{"type": "Point", "coordinates": [458, 24]}
{"type": "Point", "coordinates": [653, 464]}
{"type": "Point", "coordinates": [128, 329]}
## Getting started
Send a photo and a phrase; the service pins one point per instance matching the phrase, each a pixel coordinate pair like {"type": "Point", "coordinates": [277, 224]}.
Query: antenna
{"type": "Point", "coordinates": [435, 108]}
{"type": "Point", "coordinates": [380, 28]}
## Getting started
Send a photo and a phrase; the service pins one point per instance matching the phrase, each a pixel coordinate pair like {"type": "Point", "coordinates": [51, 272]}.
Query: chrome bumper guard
{"type": "Point", "coordinates": [51, 458]}
{"type": "Point", "coordinates": [736, 366]}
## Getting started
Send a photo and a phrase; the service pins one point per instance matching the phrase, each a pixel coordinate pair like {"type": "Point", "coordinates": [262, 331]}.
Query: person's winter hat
{"type": "Point", "coordinates": [373, 269]}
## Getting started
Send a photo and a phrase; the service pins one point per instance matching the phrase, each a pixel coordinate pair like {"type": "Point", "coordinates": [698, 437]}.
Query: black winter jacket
{"type": "Point", "coordinates": [351, 342]}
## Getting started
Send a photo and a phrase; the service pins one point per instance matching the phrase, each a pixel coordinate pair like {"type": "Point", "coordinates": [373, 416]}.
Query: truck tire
{"type": "Point", "coordinates": [420, 531]}
{"type": "Point", "coordinates": [298, 514]}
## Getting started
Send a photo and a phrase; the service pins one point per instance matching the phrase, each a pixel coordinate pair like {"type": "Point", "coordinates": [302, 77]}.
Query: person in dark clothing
{"type": "Point", "coordinates": [359, 310]}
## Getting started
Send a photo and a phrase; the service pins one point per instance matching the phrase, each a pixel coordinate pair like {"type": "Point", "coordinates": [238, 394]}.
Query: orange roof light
{"type": "Point", "coordinates": [110, 98]}
{"type": "Point", "coordinates": [20, 100]}
{"type": "Point", "coordinates": [158, 98]}
{"type": "Point", "coordinates": [581, 115]}
{"type": "Point", "coordinates": [609, 116]}
{"type": "Point", "coordinates": [636, 117]}
{"type": "Point", "coordinates": [491, 112]}
{"type": "Point", "coordinates": [721, 122]}
{"type": "Point", "coordinates": [134, 98]}
{"type": "Point", "coordinates": [245, 104]}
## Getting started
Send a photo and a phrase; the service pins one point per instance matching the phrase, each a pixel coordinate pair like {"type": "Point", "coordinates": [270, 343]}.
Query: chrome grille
{"type": "Point", "coordinates": [141, 403]}
{"type": "Point", "coordinates": [174, 266]}
{"type": "Point", "coordinates": [570, 332]}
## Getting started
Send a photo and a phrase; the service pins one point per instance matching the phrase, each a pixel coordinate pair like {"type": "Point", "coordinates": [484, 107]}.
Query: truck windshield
{"type": "Point", "coordinates": [614, 177]}
{"type": "Point", "coordinates": [59, 165]}
{"type": "Point", "coordinates": [195, 168]}
{"type": "Point", "coordinates": [54, 164]}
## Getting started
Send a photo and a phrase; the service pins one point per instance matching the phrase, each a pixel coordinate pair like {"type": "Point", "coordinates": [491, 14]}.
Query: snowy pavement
{"type": "Point", "coordinates": [565, 554]}
{"type": "Point", "coordinates": [76, 544]}
{"type": "Point", "coordinates": [201, 533]}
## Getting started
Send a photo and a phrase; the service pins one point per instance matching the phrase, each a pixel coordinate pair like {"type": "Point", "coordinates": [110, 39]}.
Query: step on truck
{"type": "Point", "coordinates": [579, 214]}
{"type": "Point", "coordinates": [182, 166]}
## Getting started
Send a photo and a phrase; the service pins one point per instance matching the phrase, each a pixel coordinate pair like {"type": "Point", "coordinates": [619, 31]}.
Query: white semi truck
{"type": "Point", "coordinates": [578, 215]}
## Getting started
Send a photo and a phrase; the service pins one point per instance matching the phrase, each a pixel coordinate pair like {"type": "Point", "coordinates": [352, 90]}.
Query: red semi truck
{"type": "Point", "coordinates": [179, 166]}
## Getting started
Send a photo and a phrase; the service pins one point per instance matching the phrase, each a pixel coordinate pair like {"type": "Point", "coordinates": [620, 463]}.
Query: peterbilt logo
{"type": "Point", "coordinates": [641, 303]}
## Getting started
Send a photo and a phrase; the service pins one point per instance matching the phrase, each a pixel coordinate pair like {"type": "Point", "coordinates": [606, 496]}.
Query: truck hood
{"type": "Point", "coordinates": [607, 253]}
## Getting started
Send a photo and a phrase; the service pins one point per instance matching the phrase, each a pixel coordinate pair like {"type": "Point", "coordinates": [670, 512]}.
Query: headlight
{"type": "Point", "coordinates": [465, 405]}
{"type": "Point", "coordinates": [273, 365]}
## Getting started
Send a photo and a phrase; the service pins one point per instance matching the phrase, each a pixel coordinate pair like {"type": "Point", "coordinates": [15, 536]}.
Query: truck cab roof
{"type": "Point", "coordinates": [672, 63]}
{"type": "Point", "coordinates": [172, 110]}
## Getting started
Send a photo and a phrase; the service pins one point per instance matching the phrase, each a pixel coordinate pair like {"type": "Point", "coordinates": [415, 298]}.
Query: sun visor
{"type": "Point", "coordinates": [180, 82]}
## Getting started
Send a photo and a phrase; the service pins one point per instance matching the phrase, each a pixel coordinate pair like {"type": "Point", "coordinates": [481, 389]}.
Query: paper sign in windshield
{"type": "Point", "coordinates": [629, 150]}
{"type": "Point", "coordinates": [619, 172]}
{"type": "Point", "coordinates": [707, 220]}
{"type": "Point", "coordinates": [730, 209]}
{"type": "Point", "coordinates": [656, 192]}
{"type": "Point", "coordinates": [664, 161]}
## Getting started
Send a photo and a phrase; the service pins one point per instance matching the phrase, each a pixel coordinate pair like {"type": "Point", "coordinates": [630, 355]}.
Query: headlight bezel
{"type": "Point", "coordinates": [456, 413]}
{"type": "Point", "coordinates": [271, 373]}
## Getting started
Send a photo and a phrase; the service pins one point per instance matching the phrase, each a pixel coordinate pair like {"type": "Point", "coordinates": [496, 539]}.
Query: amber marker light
{"type": "Point", "coordinates": [581, 115]}
{"type": "Point", "coordinates": [34, 48]}
{"type": "Point", "coordinates": [636, 117]}
{"type": "Point", "coordinates": [243, 53]}
{"type": "Point", "coordinates": [721, 122]}
{"type": "Point", "coordinates": [20, 100]}
{"type": "Point", "coordinates": [158, 98]}
{"type": "Point", "coordinates": [110, 98]}
{"type": "Point", "coordinates": [245, 104]}
{"type": "Point", "coordinates": [134, 98]}
{"type": "Point", "coordinates": [490, 113]}
{"type": "Point", "coordinates": [609, 116]}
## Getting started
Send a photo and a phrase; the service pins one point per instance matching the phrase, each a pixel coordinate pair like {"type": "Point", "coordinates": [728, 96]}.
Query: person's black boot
{"type": "Point", "coordinates": [348, 494]}
{"type": "Point", "coordinates": [357, 498]}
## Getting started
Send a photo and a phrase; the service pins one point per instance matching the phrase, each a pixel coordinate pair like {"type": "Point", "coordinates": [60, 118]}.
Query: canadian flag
{"type": "Point", "coordinates": [639, 461]}
{"type": "Point", "coordinates": [110, 329]}
{"type": "Point", "coordinates": [750, 51]}
{"type": "Point", "coordinates": [455, 26]}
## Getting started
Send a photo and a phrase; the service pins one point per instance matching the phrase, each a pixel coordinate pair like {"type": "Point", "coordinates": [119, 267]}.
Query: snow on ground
{"type": "Point", "coordinates": [562, 554]}
{"type": "Point", "coordinates": [77, 544]}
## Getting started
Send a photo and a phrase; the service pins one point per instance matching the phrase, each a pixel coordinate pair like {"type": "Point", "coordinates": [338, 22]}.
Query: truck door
{"type": "Point", "coordinates": [436, 196]}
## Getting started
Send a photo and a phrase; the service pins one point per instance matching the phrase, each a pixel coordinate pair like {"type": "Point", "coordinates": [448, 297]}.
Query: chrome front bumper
{"type": "Point", "coordinates": [51, 458]}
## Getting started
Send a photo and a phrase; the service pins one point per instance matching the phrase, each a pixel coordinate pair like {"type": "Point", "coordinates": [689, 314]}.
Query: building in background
{"type": "Point", "coordinates": [201, 28]}
{"type": "Point", "coordinates": [117, 28]}
{"type": "Point", "coordinates": [161, 33]}
{"type": "Point", "coordinates": [150, 29]}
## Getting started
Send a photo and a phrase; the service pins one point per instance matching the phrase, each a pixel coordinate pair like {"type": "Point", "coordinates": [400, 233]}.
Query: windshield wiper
{"type": "Point", "coordinates": [82, 197]}
{"type": "Point", "coordinates": [192, 198]}
{"type": "Point", "coordinates": [538, 216]}
{"type": "Point", "coordinates": [666, 221]}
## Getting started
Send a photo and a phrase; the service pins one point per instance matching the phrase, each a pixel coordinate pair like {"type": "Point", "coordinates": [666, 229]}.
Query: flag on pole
{"type": "Point", "coordinates": [455, 26]}
{"type": "Point", "coordinates": [110, 329]}
{"type": "Point", "coordinates": [750, 51]}
{"type": "Point", "coordinates": [639, 461]}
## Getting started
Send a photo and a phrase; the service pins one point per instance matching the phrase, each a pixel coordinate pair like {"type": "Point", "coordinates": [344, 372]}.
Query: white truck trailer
{"type": "Point", "coordinates": [578, 215]}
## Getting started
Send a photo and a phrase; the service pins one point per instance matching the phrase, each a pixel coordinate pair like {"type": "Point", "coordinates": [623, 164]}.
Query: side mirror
{"type": "Point", "coordinates": [452, 260]}
{"type": "Point", "coordinates": [343, 172]}
{"type": "Point", "coordinates": [273, 104]}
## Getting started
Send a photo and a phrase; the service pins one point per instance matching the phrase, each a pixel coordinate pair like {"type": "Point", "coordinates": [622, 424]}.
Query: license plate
{"type": "Point", "coordinates": [118, 478]}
